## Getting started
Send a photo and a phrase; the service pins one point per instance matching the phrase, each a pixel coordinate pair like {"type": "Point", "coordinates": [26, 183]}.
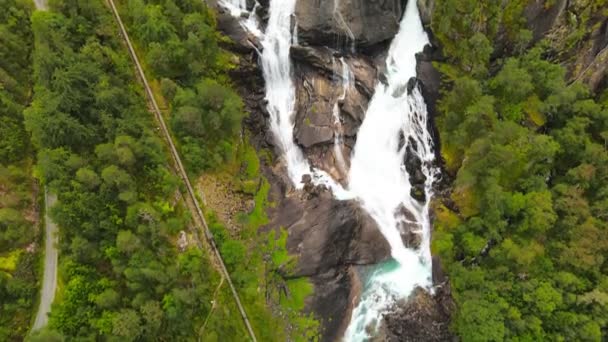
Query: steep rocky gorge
{"type": "Point", "coordinates": [334, 239]}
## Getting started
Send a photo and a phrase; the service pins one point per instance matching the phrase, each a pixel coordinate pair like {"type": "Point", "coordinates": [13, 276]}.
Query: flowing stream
{"type": "Point", "coordinates": [396, 118]}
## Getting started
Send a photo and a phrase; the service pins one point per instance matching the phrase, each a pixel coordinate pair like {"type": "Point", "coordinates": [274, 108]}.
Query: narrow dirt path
{"type": "Point", "coordinates": [49, 279]}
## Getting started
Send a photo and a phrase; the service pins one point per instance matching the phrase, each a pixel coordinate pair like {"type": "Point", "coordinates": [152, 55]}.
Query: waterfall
{"type": "Point", "coordinates": [379, 179]}
{"type": "Point", "coordinates": [395, 120]}
{"type": "Point", "coordinates": [280, 94]}
{"type": "Point", "coordinates": [236, 7]}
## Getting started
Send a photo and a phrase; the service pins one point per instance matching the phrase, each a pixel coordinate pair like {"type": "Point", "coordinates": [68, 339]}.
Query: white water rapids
{"type": "Point", "coordinates": [378, 178]}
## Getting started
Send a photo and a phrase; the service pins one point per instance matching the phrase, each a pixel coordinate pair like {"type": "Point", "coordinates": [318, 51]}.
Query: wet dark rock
{"type": "Point", "coordinates": [413, 165]}
{"type": "Point", "coordinates": [319, 88]}
{"type": "Point", "coordinates": [241, 41]}
{"type": "Point", "coordinates": [439, 276]}
{"type": "Point", "coordinates": [326, 233]}
{"type": "Point", "coordinates": [318, 57]}
{"type": "Point", "coordinates": [409, 229]}
{"type": "Point", "coordinates": [369, 22]}
{"type": "Point", "coordinates": [421, 317]}
{"type": "Point", "coordinates": [411, 239]}
{"type": "Point", "coordinates": [309, 135]}
{"type": "Point", "coordinates": [429, 83]}
{"type": "Point", "coordinates": [328, 237]}
{"type": "Point", "coordinates": [325, 61]}
{"type": "Point", "coordinates": [412, 83]}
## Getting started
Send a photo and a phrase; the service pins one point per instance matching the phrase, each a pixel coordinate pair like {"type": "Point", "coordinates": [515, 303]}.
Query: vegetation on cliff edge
{"type": "Point", "coordinates": [525, 238]}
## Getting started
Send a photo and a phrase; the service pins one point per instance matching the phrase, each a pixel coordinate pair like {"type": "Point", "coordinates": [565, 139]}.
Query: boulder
{"type": "Point", "coordinates": [310, 135]}
{"type": "Point", "coordinates": [422, 317]}
{"type": "Point", "coordinates": [365, 22]}
{"type": "Point", "coordinates": [409, 229]}
{"type": "Point", "coordinates": [327, 234]}
{"type": "Point", "coordinates": [413, 165]}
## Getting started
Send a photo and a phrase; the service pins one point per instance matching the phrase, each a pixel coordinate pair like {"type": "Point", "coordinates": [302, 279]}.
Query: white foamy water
{"type": "Point", "coordinates": [379, 179]}
{"type": "Point", "coordinates": [280, 94]}
{"type": "Point", "coordinates": [238, 8]}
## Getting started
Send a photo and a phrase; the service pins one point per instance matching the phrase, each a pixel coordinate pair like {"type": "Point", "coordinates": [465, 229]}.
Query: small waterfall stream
{"type": "Point", "coordinates": [346, 79]}
{"type": "Point", "coordinates": [280, 94]}
{"type": "Point", "coordinates": [396, 118]}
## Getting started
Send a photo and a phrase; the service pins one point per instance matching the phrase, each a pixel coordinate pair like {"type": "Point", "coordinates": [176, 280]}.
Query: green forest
{"type": "Point", "coordinates": [179, 46]}
{"type": "Point", "coordinates": [525, 237]}
{"type": "Point", "coordinates": [520, 226]}
{"type": "Point", "coordinates": [75, 120]}
{"type": "Point", "coordinates": [19, 229]}
{"type": "Point", "coordinates": [122, 274]}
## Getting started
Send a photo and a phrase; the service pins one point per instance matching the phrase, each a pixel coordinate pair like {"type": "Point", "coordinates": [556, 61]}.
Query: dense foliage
{"type": "Point", "coordinates": [18, 263]}
{"type": "Point", "coordinates": [526, 236]}
{"type": "Point", "coordinates": [119, 210]}
{"type": "Point", "coordinates": [260, 264]}
{"type": "Point", "coordinates": [180, 47]}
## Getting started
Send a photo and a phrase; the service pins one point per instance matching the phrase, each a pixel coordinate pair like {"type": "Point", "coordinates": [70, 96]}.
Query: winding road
{"type": "Point", "coordinates": [49, 280]}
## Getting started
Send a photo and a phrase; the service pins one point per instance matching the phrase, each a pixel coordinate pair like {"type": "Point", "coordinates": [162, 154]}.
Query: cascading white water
{"type": "Point", "coordinates": [378, 177]}
{"type": "Point", "coordinates": [280, 94]}
{"type": "Point", "coordinates": [346, 77]}
{"type": "Point", "coordinates": [238, 8]}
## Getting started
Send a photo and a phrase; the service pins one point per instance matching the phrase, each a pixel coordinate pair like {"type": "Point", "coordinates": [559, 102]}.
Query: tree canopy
{"type": "Point", "coordinates": [525, 237]}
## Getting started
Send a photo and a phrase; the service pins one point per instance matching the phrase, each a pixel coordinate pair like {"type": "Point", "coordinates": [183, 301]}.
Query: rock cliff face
{"type": "Point", "coordinates": [587, 60]}
{"type": "Point", "coordinates": [321, 97]}
{"type": "Point", "coordinates": [366, 22]}
{"type": "Point", "coordinates": [331, 238]}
